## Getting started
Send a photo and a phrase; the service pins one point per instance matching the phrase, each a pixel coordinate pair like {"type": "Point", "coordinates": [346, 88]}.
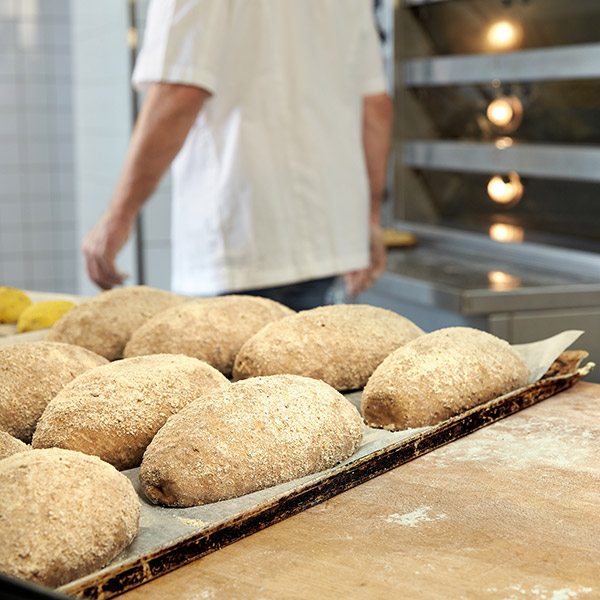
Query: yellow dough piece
{"type": "Point", "coordinates": [394, 238]}
{"type": "Point", "coordinates": [12, 303]}
{"type": "Point", "coordinates": [42, 315]}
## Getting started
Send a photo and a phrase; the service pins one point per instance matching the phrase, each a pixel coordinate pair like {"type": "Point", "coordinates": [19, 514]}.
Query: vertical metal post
{"type": "Point", "coordinates": [132, 42]}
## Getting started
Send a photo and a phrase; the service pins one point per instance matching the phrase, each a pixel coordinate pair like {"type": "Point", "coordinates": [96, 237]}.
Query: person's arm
{"type": "Point", "coordinates": [164, 122]}
{"type": "Point", "coordinates": [378, 117]}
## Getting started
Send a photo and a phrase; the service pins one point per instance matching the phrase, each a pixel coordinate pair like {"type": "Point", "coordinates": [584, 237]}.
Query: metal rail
{"type": "Point", "coordinates": [553, 161]}
{"type": "Point", "coordinates": [580, 61]}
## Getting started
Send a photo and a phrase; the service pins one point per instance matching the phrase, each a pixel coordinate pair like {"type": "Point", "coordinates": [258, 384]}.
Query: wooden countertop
{"type": "Point", "coordinates": [509, 512]}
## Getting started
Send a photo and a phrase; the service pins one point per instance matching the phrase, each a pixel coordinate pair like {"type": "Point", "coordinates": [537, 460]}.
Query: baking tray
{"type": "Point", "coordinates": [172, 537]}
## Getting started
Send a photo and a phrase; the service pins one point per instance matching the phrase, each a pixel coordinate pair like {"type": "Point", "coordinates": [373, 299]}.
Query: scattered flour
{"type": "Point", "coordinates": [518, 592]}
{"type": "Point", "coordinates": [521, 443]}
{"type": "Point", "coordinates": [197, 523]}
{"type": "Point", "coordinates": [207, 594]}
{"type": "Point", "coordinates": [415, 517]}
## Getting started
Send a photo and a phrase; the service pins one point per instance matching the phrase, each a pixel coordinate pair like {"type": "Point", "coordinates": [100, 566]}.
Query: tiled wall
{"type": "Point", "coordinates": [37, 211]}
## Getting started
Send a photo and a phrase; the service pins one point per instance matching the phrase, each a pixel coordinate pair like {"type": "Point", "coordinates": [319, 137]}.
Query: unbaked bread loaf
{"type": "Point", "coordinates": [105, 322]}
{"type": "Point", "coordinates": [31, 375]}
{"type": "Point", "coordinates": [340, 344]}
{"type": "Point", "coordinates": [439, 375]}
{"type": "Point", "coordinates": [114, 411]}
{"type": "Point", "coordinates": [210, 329]}
{"type": "Point", "coordinates": [11, 445]}
{"type": "Point", "coordinates": [255, 434]}
{"type": "Point", "coordinates": [64, 515]}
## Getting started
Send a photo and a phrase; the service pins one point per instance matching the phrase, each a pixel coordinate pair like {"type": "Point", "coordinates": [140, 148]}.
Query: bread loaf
{"type": "Point", "coordinates": [210, 329]}
{"type": "Point", "coordinates": [114, 411]}
{"type": "Point", "coordinates": [105, 322]}
{"type": "Point", "coordinates": [439, 375]}
{"type": "Point", "coordinates": [11, 445]}
{"type": "Point", "coordinates": [340, 344]}
{"type": "Point", "coordinates": [31, 375]}
{"type": "Point", "coordinates": [255, 434]}
{"type": "Point", "coordinates": [63, 515]}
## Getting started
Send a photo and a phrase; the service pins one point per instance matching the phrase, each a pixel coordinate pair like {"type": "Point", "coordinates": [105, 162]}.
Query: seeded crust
{"type": "Point", "coordinates": [105, 322]}
{"type": "Point", "coordinates": [11, 445]}
{"type": "Point", "coordinates": [439, 375]}
{"type": "Point", "coordinates": [114, 411]}
{"type": "Point", "coordinates": [210, 329]}
{"type": "Point", "coordinates": [255, 434]}
{"type": "Point", "coordinates": [340, 344]}
{"type": "Point", "coordinates": [64, 515]}
{"type": "Point", "coordinates": [31, 375]}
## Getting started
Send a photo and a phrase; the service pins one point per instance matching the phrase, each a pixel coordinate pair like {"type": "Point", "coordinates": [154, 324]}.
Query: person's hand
{"type": "Point", "coordinates": [358, 281]}
{"type": "Point", "coordinates": [100, 248]}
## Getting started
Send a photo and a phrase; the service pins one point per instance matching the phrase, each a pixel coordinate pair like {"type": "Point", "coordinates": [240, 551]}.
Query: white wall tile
{"type": "Point", "coordinates": [9, 126]}
{"type": "Point", "coordinates": [11, 215]}
{"type": "Point", "coordinates": [11, 272]}
{"type": "Point", "coordinates": [11, 245]}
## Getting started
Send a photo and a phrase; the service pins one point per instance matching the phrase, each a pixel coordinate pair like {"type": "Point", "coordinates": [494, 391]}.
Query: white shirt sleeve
{"type": "Point", "coordinates": [374, 81]}
{"type": "Point", "coordinates": [183, 43]}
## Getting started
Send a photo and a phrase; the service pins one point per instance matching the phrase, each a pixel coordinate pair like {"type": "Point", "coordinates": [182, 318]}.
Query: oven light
{"type": "Point", "coordinates": [505, 190]}
{"type": "Point", "coordinates": [500, 112]}
{"type": "Point", "coordinates": [505, 112]}
{"type": "Point", "coordinates": [503, 35]}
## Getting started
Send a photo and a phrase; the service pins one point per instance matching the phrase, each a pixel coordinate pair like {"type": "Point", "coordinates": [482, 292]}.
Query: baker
{"type": "Point", "coordinates": [277, 123]}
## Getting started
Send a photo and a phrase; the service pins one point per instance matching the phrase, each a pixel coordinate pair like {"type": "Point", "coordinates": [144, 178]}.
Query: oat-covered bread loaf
{"type": "Point", "coordinates": [105, 322]}
{"type": "Point", "coordinates": [439, 375]}
{"type": "Point", "coordinates": [11, 445]}
{"type": "Point", "coordinates": [31, 375]}
{"type": "Point", "coordinates": [340, 344]}
{"type": "Point", "coordinates": [114, 411]}
{"type": "Point", "coordinates": [64, 515]}
{"type": "Point", "coordinates": [210, 329]}
{"type": "Point", "coordinates": [254, 434]}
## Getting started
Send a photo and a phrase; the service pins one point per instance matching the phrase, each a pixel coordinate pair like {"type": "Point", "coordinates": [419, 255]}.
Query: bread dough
{"type": "Point", "coordinates": [210, 329]}
{"type": "Point", "coordinates": [105, 322]}
{"type": "Point", "coordinates": [439, 375]}
{"type": "Point", "coordinates": [64, 515]}
{"type": "Point", "coordinates": [340, 344]}
{"type": "Point", "coordinates": [114, 411]}
{"type": "Point", "coordinates": [255, 434]}
{"type": "Point", "coordinates": [31, 375]}
{"type": "Point", "coordinates": [11, 445]}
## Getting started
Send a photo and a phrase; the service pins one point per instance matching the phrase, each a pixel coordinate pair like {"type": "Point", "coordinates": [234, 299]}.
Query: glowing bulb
{"type": "Point", "coordinates": [505, 192]}
{"type": "Point", "coordinates": [499, 190]}
{"type": "Point", "coordinates": [502, 232]}
{"type": "Point", "coordinates": [503, 34]}
{"type": "Point", "coordinates": [505, 112]}
{"type": "Point", "coordinates": [500, 111]}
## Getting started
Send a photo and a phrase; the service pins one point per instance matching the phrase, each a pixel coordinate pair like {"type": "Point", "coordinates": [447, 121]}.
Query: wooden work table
{"type": "Point", "coordinates": [509, 512]}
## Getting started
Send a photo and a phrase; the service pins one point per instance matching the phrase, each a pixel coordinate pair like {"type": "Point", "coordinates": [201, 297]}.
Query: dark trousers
{"type": "Point", "coordinates": [299, 296]}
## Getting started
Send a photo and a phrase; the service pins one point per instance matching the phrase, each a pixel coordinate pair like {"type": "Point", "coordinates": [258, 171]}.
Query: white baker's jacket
{"type": "Point", "coordinates": [270, 186]}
